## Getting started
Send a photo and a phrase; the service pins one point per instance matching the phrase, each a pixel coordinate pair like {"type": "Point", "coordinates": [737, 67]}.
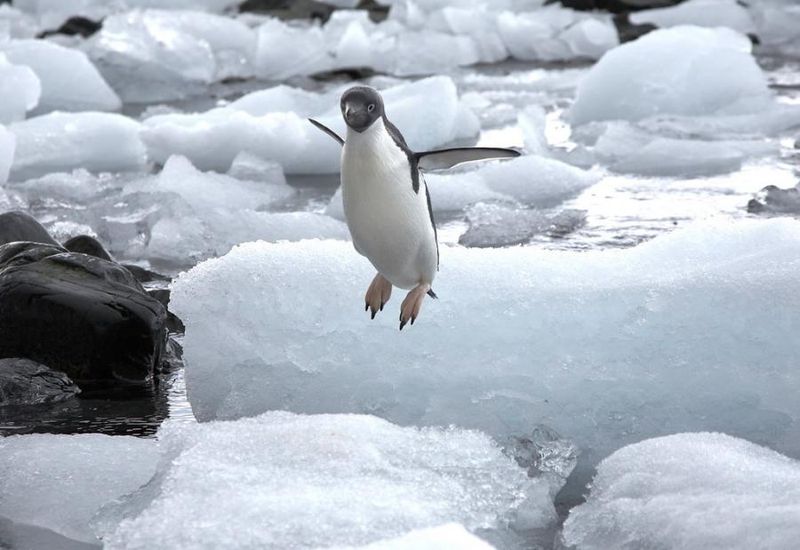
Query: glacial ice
{"type": "Point", "coordinates": [627, 148]}
{"type": "Point", "coordinates": [211, 140]}
{"type": "Point", "coordinates": [58, 482]}
{"type": "Point", "coordinates": [703, 13]}
{"type": "Point", "coordinates": [98, 142]}
{"type": "Point", "coordinates": [778, 26]}
{"type": "Point", "coordinates": [69, 81]}
{"type": "Point", "coordinates": [20, 89]}
{"type": "Point", "coordinates": [690, 490]}
{"type": "Point", "coordinates": [8, 144]}
{"type": "Point", "coordinates": [281, 480]}
{"type": "Point", "coordinates": [449, 535]}
{"type": "Point", "coordinates": [682, 70]}
{"type": "Point", "coordinates": [492, 224]}
{"type": "Point", "coordinates": [722, 297]}
{"type": "Point", "coordinates": [16, 24]}
{"type": "Point", "coordinates": [284, 50]}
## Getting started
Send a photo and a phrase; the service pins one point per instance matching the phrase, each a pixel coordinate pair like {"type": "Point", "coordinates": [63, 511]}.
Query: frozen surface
{"type": "Point", "coordinates": [690, 490]}
{"type": "Point", "coordinates": [683, 70]}
{"type": "Point", "coordinates": [58, 482]}
{"type": "Point", "coordinates": [265, 124]}
{"type": "Point", "coordinates": [721, 297]}
{"type": "Point", "coordinates": [281, 480]}
{"type": "Point", "coordinates": [8, 144]}
{"type": "Point", "coordinates": [69, 81]}
{"type": "Point", "coordinates": [704, 13]}
{"type": "Point", "coordinates": [450, 535]}
{"type": "Point", "coordinates": [492, 225]}
{"type": "Point", "coordinates": [20, 89]}
{"type": "Point", "coordinates": [59, 141]}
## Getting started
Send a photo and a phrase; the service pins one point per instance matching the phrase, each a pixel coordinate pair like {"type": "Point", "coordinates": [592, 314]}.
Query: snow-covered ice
{"type": "Point", "coordinates": [680, 327]}
{"type": "Point", "coordinates": [690, 490]}
{"type": "Point", "coordinates": [20, 89]}
{"type": "Point", "coordinates": [211, 140]}
{"type": "Point", "coordinates": [58, 482]}
{"type": "Point", "coordinates": [98, 142]}
{"type": "Point", "coordinates": [450, 535]}
{"type": "Point", "coordinates": [69, 81]}
{"type": "Point", "coordinates": [281, 480]}
{"type": "Point", "coordinates": [684, 70]}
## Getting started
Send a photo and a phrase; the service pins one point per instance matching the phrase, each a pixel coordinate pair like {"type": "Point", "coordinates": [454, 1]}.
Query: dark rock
{"type": "Point", "coordinates": [79, 314]}
{"type": "Point", "coordinates": [174, 324]}
{"type": "Point", "coordinates": [75, 25]}
{"type": "Point", "coordinates": [26, 382]}
{"type": "Point", "coordinates": [145, 275]}
{"type": "Point", "coordinates": [88, 245]}
{"type": "Point", "coordinates": [774, 200]}
{"type": "Point", "coordinates": [615, 6]}
{"type": "Point", "coordinates": [627, 31]}
{"type": "Point", "coordinates": [19, 226]}
{"type": "Point", "coordinates": [289, 9]}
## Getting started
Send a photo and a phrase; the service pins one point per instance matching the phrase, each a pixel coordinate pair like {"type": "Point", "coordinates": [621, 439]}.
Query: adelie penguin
{"type": "Point", "coordinates": [386, 201]}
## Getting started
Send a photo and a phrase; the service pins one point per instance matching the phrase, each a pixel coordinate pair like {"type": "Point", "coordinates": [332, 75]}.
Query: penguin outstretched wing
{"type": "Point", "coordinates": [442, 159]}
{"type": "Point", "coordinates": [327, 130]}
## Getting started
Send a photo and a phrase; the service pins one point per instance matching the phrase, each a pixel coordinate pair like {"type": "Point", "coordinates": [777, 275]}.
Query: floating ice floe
{"type": "Point", "coordinates": [518, 336]}
{"type": "Point", "coordinates": [683, 70]}
{"type": "Point", "coordinates": [69, 81]}
{"type": "Point", "coordinates": [703, 13]}
{"type": "Point", "coordinates": [16, 24]}
{"type": "Point", "coordinates": [774, 200]}
{"type": "Point", "coordinates": [155, 55]}
{"type": "Point", "coordinates": [627, 148]}
{"type": "Point", "coordinates": [777, 26]}
{"type": "Point", "coordinates": [20, 89]}
{"type": "Point", "coordinates": [8, 143]}
{"type": "Point", "coordinates": [98, 142]}
{"type": "Point", "coordinates": [690, 490]}
{"type": "Point", "coordinates": [58, 482]}
{"type": "Point", "coordinates": [211, 140]}
{"type": "Point", "coordinates": [553, 33]}
{"type": "Point", "coordinates": [291, 481]}
{"type": "Point", "coordinates": [492, 225]}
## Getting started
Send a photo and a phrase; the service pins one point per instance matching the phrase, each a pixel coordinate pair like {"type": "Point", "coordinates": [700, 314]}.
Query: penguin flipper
{"type": "Point", "coordinates": [327, 130]}
{"type": "Point", "coordinates": [442, 159]}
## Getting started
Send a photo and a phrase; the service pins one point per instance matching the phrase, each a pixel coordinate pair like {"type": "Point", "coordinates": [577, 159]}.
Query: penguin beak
{"type": "Point", "coordinates": [356, 117]}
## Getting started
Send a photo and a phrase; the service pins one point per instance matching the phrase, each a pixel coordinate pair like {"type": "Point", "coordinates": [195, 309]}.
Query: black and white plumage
{"type": "Point", "coordinates": [386, 200]}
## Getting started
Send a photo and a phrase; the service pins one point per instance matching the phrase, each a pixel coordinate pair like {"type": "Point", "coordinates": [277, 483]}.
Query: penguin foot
{"type": "Point", "coordinates": [378, 293]}
{"type": "Point", "coordinates": [409, 310]}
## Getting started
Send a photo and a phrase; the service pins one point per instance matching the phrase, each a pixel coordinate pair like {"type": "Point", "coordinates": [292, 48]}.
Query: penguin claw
{"type": "Point", "coordinates": [409, 310]}
{"type": "Point", "coordinates": [378, 293]}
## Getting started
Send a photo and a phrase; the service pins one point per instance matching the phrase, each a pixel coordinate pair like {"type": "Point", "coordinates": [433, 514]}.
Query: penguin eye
{"type": "Point", "coordinates": [370, 107]}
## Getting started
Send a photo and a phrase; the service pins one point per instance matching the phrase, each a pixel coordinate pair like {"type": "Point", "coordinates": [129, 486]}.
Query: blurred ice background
{"type": "Point", "coordinates": [641, 288]}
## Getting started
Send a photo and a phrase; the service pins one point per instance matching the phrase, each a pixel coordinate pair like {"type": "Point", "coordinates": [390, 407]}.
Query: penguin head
{"type": "Point", "coordinates": [361, 106]}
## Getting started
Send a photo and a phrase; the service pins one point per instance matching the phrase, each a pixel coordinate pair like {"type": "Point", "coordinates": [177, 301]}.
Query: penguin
{"type": "Point", "coordinates": [387, 205]}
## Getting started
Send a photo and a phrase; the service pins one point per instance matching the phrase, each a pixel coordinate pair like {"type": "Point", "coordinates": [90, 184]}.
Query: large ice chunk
{"type": "Point", "coordinates": [20, 89]}
{"type": "Point", "coordinates": [690, 490]}
{"type": "Point", "coordinates": [68, 79]}
{"type": "Point", "coordinates": [58, 482]}
{"type": "Point", "coordinates": [8, 144]}
{"type": "Point", "coordinates": [99, 142]}
{"type": "Point", "coordinates": [680, 327]}
{"type": "Point", "coordinates": [704, 13]}
{"type": "Point", "coordinates": [683, 70]}
{"type": "Point", "coordinates": [211, 140]}
{"type": "Point", "coordinates": [450, 535]}
{"type": "Point", "coordinates": [290, 481]}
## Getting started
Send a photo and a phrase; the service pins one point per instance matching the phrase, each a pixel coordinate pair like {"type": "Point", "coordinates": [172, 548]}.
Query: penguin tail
{"type": "Point", "coordinates": [432, 294]}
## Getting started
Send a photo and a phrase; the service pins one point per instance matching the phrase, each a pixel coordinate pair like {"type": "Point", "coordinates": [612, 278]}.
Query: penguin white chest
{"type": "Point", "coordinates": [389, 222]}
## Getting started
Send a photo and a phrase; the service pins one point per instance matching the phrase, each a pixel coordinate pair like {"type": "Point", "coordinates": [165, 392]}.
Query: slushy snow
{"type": "Point", "coordinates": [69, 81]}
{"type": "Point", "coordinates": [281, 480]}
{"type": "Point", "coordinates": [683, 70]}
{"type": "Point", "coordinates": [98, 142]}
{"type": "Point", "coordinates": [58, 482]}
{"type": "Point", "coordinates": [552, 325]}
{"type": "Point", "coordinates": [690, 490]}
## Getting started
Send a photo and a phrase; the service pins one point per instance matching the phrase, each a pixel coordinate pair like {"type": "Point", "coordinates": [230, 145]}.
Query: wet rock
{"type": "Point", "coordinates": [26, 382]}
{"type": "Point", "coordinates": [617, 6]}
{"type": "Point", "coordinates": [19, 226]}
{"type": "Point", "coordinates": [774, 200]}
{"type": "Point", "coordinates": [79, 314]}
{"type": "Point", "coordinates": [75, 25]}
{"type": "Point", "coordinates": [88, 245]}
